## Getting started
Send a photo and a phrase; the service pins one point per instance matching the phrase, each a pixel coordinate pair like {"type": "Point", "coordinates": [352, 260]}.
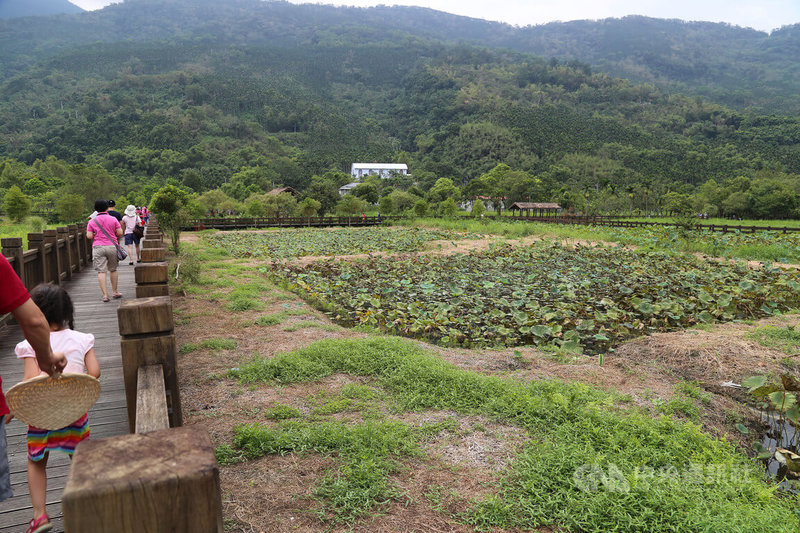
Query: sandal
{"type": "Point", "coordinates": [130, 263]}
{"type": "Point", "coordinates": [116, 295]}
{"type": "Point", "coordinates": [105, 298]}
{"type": "Point", "coordinates": [40, 525]}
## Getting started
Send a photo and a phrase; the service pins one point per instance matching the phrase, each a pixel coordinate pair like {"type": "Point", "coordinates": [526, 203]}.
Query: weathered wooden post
{"type": "Point", "coordinates": [146, 326]}
{"type": "Point", "coordinates": [151, 279]}
{"type": "Point", "coordinates": [161, 482]}
{"type": "Point", "coordinates": [77, 256]}
{"type": "Point", "coordinates": [12, 247]}
{"type": "Point", "coordinates": [36, 242]}
{"type": "Point", "coordinates": [154, 255]}
{"type": "Point", "coordinates": [51, 238]}
{"type": "Point", "coordinates": [152, 242]}
{"type": "Point", "coordinates": [63, 233]}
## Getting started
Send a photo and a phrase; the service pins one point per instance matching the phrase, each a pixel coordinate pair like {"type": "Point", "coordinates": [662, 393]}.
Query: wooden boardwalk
{"type": "Point", "coordinates": [107, 418]}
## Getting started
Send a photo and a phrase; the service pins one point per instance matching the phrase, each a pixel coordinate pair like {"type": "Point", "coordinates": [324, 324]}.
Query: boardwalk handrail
{"type": "Point", "coordinates": [52, 256]}
{"type": "Point", "coordinates": [602, 221]}
{"type": "Point", "coordinates": [161, 477]}
{"type": "Point", "coordinates": [283, 222]}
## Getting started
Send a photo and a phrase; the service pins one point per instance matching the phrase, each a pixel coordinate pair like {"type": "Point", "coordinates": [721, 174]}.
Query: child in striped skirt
{"type": "Point", "coordinates": [78, 348]}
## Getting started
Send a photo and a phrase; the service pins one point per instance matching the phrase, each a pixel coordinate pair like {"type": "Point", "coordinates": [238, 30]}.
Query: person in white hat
{"type": "Point", "coordinates": [129, 221]}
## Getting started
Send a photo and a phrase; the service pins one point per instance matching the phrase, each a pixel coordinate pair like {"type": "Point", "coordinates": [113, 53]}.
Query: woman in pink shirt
{"type": "Point", "coordinates": [104, 247]}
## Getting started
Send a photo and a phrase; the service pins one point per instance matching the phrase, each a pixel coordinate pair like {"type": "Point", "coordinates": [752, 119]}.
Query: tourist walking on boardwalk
{"type": "Point", "coordinates": [14, 299]}
{"type": "Point", "coordinates": [112, 210]}
{"type": "Point", "coordinates": [78, 348]}
{"type": "Point", "coordinates": [129, 223]}
{"type": "Point", "coordinates": [104, 231]}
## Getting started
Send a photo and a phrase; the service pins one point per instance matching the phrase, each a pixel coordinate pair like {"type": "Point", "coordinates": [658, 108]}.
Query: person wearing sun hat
{"type": "Point", "coordinates": [129, 223]}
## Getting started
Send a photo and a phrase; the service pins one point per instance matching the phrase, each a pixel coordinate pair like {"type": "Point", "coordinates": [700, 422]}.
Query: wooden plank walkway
{"type": "Point", "coordinates": [107, 418]}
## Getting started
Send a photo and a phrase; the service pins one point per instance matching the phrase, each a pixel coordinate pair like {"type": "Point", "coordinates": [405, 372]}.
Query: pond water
{"type": "Point", "coordinates": [781, 434]}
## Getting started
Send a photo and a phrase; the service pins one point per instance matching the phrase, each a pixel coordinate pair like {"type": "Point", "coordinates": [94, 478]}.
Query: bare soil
{"type": "Point", "coordinates": [275, 493]}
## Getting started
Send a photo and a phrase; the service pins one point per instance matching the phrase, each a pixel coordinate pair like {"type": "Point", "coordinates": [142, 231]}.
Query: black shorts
{"type": "Point", "coordinates": [131, 238]}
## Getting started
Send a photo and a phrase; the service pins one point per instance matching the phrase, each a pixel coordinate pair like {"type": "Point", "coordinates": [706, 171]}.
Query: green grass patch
{"type": "Point", "coordinates": [9, 229]}
{"type": "Point", "coordinates": [209, 344]}
{"type": "Point", "coordinates": [590, 465]}
{"type": "Point", "coordinates": [784, 339]}
{"type": "Point", "coordinates": [765, 246]}
{"type": "Point", "coordinates": [271, 319]}
{"type": "Point", "coordinates": [313, 242]}
{"type": "Point", "coordinates": [367, 454]}
{"type": "Point", "coordinates": [246, 297]}
{"type": "Point", "coordinates": [282, 412]}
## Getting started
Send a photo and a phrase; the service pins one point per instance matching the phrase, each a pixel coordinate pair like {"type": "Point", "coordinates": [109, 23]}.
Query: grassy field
{"type": "Point", "coordinates": [360, 418]}
{"type": "Point", "coordinates": [762, 246]}
{"type": "Point", "coordinates": [724, 222]}
{"type": "Point", "coordinates": [21, 229]}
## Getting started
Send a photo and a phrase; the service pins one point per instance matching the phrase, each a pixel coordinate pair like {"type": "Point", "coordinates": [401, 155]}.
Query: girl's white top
{"type": "Point", "coordinates": [73, 344]}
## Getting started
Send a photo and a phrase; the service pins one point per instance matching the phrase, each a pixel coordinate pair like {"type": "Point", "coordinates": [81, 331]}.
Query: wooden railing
{"type": "Point", "coordinates": [282, 222]}
{"type": "Point", "coordinates": [162, 477]}
{"type": "Point", "coordinates": [52, 256]}
{"type": "Point", "coordinates": [602, 221]}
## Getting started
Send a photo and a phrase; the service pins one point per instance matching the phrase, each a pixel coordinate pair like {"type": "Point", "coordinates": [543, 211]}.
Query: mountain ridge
{"type": "Point", "coordinates": [739, 67]}
{"type": "Point", "coordinates": [10, 9]}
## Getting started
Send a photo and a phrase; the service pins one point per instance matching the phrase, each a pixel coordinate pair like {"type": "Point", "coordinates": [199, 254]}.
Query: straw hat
{"type": "Point", "coordinates": [130, 210]}
{"type": "Point", "coordinates": [53, 402]}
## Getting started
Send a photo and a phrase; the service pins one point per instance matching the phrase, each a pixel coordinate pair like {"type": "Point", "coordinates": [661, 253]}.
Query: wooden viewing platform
{"type": "Point", "coordinates": [107, 418]}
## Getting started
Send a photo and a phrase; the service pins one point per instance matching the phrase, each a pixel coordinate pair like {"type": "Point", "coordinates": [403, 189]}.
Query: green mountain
{"type": "Point", "coordinates": [10, 9]}
{"type": "Point", "coordinates": [244, 95]}
{"type": "Point", "coordinates": [739, 67]}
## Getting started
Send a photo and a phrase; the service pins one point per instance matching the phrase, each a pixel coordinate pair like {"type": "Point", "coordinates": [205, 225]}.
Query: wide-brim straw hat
{"type": "Point", "coordinates": [53, 402]}
{"type": "Point", "coordinates": [130, 210]}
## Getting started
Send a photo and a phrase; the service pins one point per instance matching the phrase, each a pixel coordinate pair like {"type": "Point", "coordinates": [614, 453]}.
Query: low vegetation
{"type": "Point", "coordinates": [589, 464]}
{"type": "Point", "coordinates": [315, 242]}
{"type": "Point", "coordinates": [567, 298]}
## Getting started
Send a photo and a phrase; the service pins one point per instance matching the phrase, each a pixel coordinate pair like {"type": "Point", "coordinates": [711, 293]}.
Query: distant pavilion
{"type": "Point", "coordinates": [541, 209]}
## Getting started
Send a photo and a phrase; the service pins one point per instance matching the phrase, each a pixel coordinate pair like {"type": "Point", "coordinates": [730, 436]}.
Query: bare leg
{"type": "Point", "coordinates": [114, 277]}
{"type": "Point", "coordinates": [130, 252]}
{"type": "Point", "coordinates": [37, 483]}
{"type": "Point", "coordinates": [101, 277]}
{"type": "Point", "coordinates": [138, 251]}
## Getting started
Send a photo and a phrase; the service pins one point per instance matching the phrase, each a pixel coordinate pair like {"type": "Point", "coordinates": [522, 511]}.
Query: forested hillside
{"type": "Point", "coordinates": [245, 95]}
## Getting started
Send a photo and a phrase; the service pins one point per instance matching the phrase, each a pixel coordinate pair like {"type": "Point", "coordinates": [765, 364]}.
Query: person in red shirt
{"type": "Point", "coordinates": [14, 299]}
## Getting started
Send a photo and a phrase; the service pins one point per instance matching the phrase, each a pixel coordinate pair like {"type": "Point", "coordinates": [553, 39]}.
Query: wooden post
{"type": "Point", "coordinates": [146, 327]}
{"type": "Point", "coordinates": [51, 238]}
{"type": "Point", "coordinates": [36, 242]}
{"type": "Point", "coordinates": [161, 482]}
{"type": "Point", "coordinates": [77, 256]}
{"type": "Point", "coordinates": [151, 399]}
{"type": "Point", "coordinates": [151, 279]}
{"type": "Point", "coordinates": [63, 233]}
{"type": "Point", "coordinates": [153, 255]}
{"type": "Point", "coordinates": [87, 243]}
{"type": "Point", "coordinates": [12, 247]}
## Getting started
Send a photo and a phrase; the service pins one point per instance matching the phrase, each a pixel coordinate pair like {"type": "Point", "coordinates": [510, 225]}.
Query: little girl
{"type": "Point", "coordinates": [78, 348]}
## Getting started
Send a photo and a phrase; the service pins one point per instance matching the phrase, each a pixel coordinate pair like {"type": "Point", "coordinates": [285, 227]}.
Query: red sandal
{"type": "Point", "coordinates": [40, 525]}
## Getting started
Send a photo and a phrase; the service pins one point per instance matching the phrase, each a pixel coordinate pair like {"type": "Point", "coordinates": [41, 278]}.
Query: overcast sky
{"type": "Point", "coordinates": [760, 14]}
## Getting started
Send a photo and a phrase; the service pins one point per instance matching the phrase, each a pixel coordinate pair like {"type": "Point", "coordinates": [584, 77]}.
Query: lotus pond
{"type": "Point", "coordinates": [584, 298]}
{"type": "Point", "coordinates": [288, 244]}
